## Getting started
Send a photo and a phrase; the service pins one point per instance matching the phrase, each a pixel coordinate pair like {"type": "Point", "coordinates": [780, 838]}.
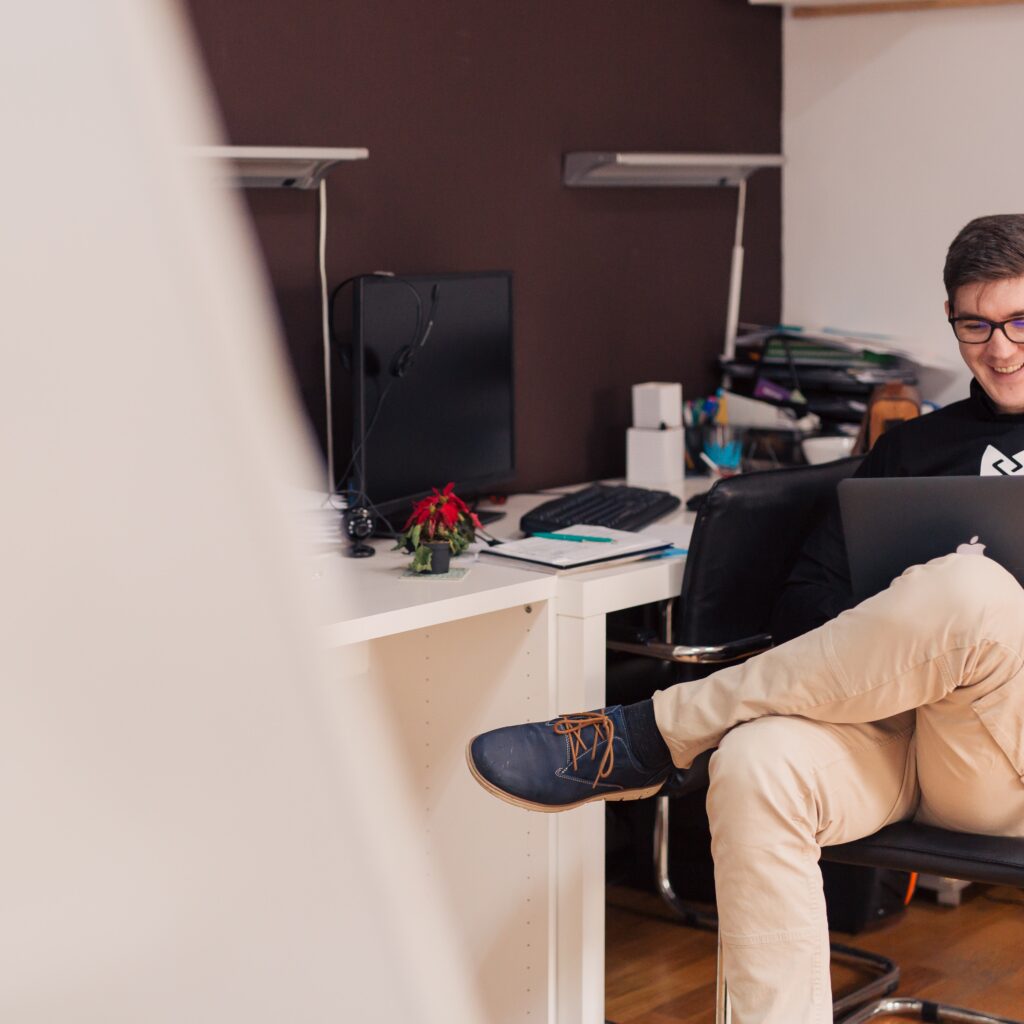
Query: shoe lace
{"type": "Point", "coordinates": [572, 726]}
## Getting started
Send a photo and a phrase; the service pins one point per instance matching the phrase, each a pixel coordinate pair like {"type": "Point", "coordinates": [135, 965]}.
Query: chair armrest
{"type": "Point", "coordinates": [734, 650]}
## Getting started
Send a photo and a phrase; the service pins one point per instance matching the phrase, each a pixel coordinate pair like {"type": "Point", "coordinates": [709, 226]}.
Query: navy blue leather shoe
{"type": "Point", "coordinates": [569, 761]}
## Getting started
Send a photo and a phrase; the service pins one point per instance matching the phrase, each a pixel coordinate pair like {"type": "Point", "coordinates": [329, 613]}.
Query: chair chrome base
{"type": "Point", "coordinates": [687, 915]}
{"type": "Point", "coordinates": [882, 985]}
{"type": "Point", "coordinates": [892, 1006]}
{"type": "Point", "coordinates": [922, 1009]}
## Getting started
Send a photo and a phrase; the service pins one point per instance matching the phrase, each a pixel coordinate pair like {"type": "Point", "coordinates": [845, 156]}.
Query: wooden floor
{"type": "Point", "coordinates": [971, 955]}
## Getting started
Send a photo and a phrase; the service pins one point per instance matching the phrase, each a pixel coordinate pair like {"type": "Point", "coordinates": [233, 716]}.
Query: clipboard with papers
{"type": "Point", "coordinates": [590, 547]}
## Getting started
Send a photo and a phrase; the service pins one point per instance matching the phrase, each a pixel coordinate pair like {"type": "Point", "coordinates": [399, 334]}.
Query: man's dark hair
{"type": "Point", "coordinates": [987, 249]}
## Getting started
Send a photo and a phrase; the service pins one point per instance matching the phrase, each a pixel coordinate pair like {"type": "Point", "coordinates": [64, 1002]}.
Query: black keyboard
{"type": "Point", "coordinates": [617, 507]}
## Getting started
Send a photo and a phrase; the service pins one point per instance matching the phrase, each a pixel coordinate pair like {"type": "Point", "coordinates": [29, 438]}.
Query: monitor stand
{"type": "Point", "coordinates": [489, 515]}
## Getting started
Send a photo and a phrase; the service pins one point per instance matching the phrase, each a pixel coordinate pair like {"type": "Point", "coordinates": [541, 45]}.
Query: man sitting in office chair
{"type": "Point", "coordinates": [908, 705]}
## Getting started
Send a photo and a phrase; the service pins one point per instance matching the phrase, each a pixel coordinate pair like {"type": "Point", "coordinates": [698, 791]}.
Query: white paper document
{"type": "Point", "coordinates": [548, 554]}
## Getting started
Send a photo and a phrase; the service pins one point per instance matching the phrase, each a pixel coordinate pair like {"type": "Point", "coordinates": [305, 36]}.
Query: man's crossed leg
{"type": "Point", "coordinates": [910, 704]}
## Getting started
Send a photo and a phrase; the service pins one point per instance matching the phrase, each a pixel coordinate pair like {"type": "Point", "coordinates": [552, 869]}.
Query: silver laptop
{"type": "Point", "coordinates": [895, 522]}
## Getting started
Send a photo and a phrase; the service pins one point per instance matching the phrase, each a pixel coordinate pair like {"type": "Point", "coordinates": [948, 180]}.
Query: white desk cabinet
{"type": "Point", "coordinates": [525, 890]}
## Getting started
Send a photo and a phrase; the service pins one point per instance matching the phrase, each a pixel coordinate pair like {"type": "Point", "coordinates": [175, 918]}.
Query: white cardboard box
{"type": "Point", "coordinates": [654, 458]}
{"type": "Point", "coordinates": [656, 404]}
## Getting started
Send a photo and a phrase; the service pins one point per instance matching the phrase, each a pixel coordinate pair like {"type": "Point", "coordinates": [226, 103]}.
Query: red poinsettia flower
{"type": "Point", "coordinates": [442, 515]}
{"type": "Point", "coordinates": [449, 493]}
{"type": "Point", "coordinates": [420, 513]}
{"type": "Point", "coordinates": [449, 513]}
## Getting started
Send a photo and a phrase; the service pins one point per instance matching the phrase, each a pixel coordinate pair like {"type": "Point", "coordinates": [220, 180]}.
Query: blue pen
{"type": "Point", "coordinates": [670, 553]}
{"type": "Point", "coordinates": [575, 537]}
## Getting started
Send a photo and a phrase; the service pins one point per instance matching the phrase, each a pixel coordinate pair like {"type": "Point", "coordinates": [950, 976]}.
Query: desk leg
{"type": "Point", "coordinates": [579, 839]}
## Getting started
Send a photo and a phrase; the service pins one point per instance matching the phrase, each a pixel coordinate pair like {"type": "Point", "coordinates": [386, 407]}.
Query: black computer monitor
{"type": "Point", "coordinates": [432, 385]}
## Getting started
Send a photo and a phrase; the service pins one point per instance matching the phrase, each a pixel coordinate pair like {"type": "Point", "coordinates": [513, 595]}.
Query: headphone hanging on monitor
{"type": "Point", "coordinates": [403, 358]}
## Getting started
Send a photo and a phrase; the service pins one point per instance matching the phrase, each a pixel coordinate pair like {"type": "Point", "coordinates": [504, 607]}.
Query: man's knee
{"type": "Point", "coordinates": [757, 770]}
{"type": "Point", "coordinates": [969, 591]}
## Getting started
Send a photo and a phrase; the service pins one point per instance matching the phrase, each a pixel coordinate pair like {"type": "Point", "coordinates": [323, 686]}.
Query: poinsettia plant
{"type": "Point", "coordinates": [440, 517]}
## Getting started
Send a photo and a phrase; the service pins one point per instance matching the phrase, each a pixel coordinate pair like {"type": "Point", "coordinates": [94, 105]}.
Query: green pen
{"type": "Point", "coordinates": [575, 537]}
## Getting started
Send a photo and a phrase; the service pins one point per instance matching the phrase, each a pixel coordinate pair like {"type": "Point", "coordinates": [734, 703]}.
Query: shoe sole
{"type": "Point", "coordinates": [530, 805]}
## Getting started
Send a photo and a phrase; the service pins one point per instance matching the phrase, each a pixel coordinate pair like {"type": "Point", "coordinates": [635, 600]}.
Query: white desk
{"type": "Point", "coordinates": [453, 659]}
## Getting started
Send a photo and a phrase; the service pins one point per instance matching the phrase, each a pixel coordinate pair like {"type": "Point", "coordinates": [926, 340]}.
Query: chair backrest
{"type": "Point", "coordinates": [748, 533]}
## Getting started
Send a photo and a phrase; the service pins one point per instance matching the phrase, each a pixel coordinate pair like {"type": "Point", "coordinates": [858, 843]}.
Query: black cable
{"type": "Point", "coordinates": [391, 530]}
{"type": "Point", "coordinates": [381, 395]}
{"type": "Point", "coordinates": [792, 366]}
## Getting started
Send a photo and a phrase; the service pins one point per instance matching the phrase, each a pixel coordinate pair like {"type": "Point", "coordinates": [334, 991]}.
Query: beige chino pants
{"type": "Point", "coordinates": [910, 705]}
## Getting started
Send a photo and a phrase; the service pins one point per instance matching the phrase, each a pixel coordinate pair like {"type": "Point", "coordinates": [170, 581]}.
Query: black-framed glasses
{"type": "Point", "coordinates": [972, 330]}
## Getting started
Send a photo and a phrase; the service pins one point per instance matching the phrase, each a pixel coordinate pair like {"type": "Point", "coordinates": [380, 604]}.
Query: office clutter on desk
{"type": "Point", "coordinates": [579, 547]}
{"type": "Point", "coordinates": [654, 444]}
{"type": "Point", "coordinates": [728, 432]}
{"type": "Point", "coordinates": [785, 384]}
{"type": "Point", "coordinates": [828, 373]}
{"type": "Point", "coordinates": [739, 410]}
{"type": "Point", "coordinates": [614, 506]}
{"type": "Point", "coordinates": [888, 405]}
{"type": "Point", "coordinates": [318, 518]}
{"type": "Point", "coordinates": [827, 448]}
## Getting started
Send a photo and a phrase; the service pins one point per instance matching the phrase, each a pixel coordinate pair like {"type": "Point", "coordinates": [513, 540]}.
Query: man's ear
{"type": "Point", "coordinates": [947, 308]}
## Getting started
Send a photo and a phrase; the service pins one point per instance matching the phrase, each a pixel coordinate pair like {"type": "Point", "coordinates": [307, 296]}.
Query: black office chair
{"type": "Point", "coordinates": [748, 533]}
{"type": "Point", "coordinates": [908, 846]}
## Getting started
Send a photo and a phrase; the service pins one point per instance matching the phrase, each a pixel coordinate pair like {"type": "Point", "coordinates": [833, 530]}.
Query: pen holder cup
{"type": "Point", "coordinates": [693, 444]}
{"type": "Point", "coordinates": [720, 443]}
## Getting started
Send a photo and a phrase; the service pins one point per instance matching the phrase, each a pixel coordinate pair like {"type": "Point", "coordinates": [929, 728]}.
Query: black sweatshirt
{"type": "Point", "coordinates": [966, 438]}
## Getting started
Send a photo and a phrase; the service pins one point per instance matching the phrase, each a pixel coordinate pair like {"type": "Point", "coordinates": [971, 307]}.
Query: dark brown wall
{"type": "Point", "coordinates": [467, 107]}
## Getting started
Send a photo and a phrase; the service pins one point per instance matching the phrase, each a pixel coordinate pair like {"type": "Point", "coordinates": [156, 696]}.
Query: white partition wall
{"type": "Point", "coordinates": [188, 834]}
{"type": "Point", "coordinates": [898, 128]}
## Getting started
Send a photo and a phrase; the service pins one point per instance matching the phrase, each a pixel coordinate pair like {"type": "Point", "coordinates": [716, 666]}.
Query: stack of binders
{"type": "Point", "coordinates": [827, 373]}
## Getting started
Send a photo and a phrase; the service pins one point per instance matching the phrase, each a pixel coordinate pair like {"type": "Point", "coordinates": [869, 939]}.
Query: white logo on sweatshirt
{"type": "Point", "coordinates": [995, 463]}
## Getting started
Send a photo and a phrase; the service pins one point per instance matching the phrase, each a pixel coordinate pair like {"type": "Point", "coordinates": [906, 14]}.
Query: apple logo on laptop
{"type": "Point", "coordinates": [971, 548]}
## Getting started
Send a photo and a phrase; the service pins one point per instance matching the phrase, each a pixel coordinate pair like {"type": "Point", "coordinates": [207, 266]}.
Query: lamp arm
{"type": "Point", "coordinates": [732, 316]}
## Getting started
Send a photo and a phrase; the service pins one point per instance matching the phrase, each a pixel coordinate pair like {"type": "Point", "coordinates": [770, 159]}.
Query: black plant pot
{"type": "Point", "coordinates": [440, 557]}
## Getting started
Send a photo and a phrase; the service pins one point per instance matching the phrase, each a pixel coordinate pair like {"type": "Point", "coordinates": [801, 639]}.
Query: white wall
{"type": "Point", "coordinates": [898, 128]}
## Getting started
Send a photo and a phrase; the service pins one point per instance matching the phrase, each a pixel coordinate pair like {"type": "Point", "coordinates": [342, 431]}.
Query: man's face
{"type": "Point", "coordinates": [997, 365]}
